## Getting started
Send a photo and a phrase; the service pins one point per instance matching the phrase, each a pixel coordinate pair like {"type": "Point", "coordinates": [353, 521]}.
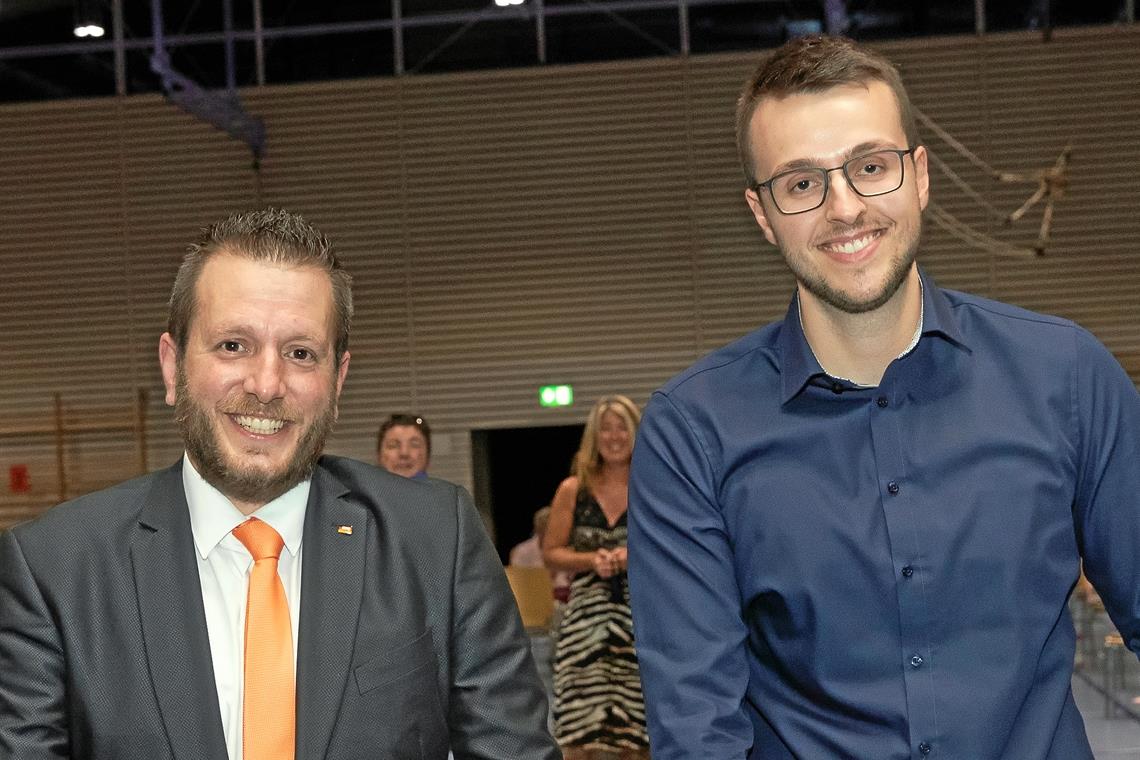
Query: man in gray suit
{"type": "Point", "coordinates": [142, 622]}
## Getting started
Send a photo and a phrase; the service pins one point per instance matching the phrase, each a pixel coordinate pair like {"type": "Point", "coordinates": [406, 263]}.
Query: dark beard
{"type": "Point", "coordinates": [838, 299]}
{"type": "Point", "coordinates": [818, 287]}
{"type": "Point", "coordinates": [248, 485]}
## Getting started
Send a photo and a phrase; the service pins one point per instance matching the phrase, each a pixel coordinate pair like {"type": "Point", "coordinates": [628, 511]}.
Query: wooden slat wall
{"type": "Point", "coordinates": [508, 229]}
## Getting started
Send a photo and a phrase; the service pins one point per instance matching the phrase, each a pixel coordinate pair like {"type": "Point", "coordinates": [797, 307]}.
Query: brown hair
{"type": "Point", "coordinates": [541, 519]}
{"type": "Point", "coordinates": [270, 235]}
{"type": "Point", "coordinates": [409, 420]}
{"type": "Point", "coordinates": [588, 460]}
{"type": "Point", "coordinates": [811, 65]}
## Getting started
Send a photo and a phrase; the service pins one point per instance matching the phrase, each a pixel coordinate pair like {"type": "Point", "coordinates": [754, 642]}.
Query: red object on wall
{"type": "Point", "coordinates": [18, 481]}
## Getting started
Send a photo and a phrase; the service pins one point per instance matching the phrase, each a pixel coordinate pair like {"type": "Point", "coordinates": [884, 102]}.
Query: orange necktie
{"type": "Point", "coordinates": [269, 709]}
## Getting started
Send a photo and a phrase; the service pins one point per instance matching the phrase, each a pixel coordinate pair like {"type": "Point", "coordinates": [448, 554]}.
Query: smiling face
{"type": "Point", "coordinates": [404, 450]}
{"type": "Point", "coordinates": [615, 444]}
{"type": "Point", "coordinates": [255, 392]}
{"type": "Point", "coordinates": [852, 253]}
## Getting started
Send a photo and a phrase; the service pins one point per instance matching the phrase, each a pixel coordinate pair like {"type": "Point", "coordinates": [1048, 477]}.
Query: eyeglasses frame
{"type": "Point", "coordinates": [767, 184]}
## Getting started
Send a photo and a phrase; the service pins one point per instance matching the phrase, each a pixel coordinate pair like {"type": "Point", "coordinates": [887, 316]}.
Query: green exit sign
{"type": "Point", "coordinates": [556, 395]}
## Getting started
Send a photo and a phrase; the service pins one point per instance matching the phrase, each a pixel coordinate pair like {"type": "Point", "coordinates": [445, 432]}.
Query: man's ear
{"type": "Point", "coordinates": [168, 361]}
{"type": "Point", "coordinates": [921, 175]}
{"type": "Point", "coordinates": [341, 374]}
{"type": "Point", "coordinates": [760, 214]}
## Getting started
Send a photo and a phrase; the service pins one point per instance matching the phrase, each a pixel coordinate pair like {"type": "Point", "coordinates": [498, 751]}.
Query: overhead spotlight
{"type": "Point", "coordinates": [88, 19]}
{"type": "Point", "coordinates": [505, 3]}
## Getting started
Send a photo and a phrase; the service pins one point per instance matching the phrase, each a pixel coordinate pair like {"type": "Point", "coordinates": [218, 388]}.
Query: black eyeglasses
{"type": "Point", "coordinates": [800, 190]}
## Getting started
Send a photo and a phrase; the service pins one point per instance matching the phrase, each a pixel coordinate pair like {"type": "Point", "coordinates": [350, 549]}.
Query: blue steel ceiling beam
{"type": "Point", "coordinates": [517, 12]}
{"type": "Point", "coordinates": [223, 110]}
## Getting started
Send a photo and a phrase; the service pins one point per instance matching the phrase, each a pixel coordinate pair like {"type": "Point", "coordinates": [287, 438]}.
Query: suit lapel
{"type": "Point", "coordinates": [332, 579]}
{"type": "Point", "coordinates": [174, 621]}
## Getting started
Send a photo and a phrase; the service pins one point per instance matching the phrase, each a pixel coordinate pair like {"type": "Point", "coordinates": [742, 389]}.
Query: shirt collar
{"type": "Point", "coordinates": [213, 516]}
{"type": "Point", "coordinates": [938, 316]}
{"type": "Point", "coordinates": [799, 365]}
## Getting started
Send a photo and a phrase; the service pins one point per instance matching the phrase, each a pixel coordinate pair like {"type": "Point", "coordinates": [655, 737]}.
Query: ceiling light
{"type": "Point", "coordinates": [88, 19]}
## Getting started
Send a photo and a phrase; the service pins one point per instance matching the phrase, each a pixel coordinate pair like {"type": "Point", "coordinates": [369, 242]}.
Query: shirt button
{"type": "Point", "coordinates": [882, 402]}
{"type": "Point", "coordinates": [907, 571]}
{"type": "Point", "coordinates": [925, 748]}
{"type": "Point", "coordinates": [892, 488]}
{"type": "Point", "coordinates": [916, 661]}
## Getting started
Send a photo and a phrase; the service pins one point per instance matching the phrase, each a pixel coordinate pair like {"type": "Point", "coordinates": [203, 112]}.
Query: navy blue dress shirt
{"type": "Point", "coordinates": [824, 571]}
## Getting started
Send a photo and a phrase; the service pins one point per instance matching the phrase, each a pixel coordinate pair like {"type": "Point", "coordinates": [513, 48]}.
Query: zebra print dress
{"type": "Point", "coordinates": [597, 687]}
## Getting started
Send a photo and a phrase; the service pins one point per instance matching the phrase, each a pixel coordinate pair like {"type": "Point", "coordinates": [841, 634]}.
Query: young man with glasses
{"type": "Point", "coordinates": [868, 516]}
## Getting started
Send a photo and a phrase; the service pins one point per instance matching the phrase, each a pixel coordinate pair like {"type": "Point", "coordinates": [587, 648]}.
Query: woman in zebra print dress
{"type": "Point", "coordinates": [598, 708]}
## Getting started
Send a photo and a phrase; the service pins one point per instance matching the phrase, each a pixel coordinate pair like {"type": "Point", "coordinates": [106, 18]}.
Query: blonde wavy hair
{"type": "Point", "coordinates": [588, 460]}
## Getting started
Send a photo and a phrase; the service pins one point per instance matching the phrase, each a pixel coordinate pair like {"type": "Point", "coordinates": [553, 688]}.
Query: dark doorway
{"type": "Point", "coordinates": [516, 471]}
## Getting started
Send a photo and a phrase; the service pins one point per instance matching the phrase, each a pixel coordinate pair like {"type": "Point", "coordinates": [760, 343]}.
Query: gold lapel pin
{"type": "Point", "coordinates": [344, 530]}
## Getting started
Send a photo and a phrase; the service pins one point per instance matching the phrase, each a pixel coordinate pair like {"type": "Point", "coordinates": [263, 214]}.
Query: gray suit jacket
{"type": "Point", "coordinates": [409, 638]}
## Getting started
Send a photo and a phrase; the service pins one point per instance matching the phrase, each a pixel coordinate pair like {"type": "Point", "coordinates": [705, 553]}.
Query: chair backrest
{"type": "Point", "coordinates": [533, 594]}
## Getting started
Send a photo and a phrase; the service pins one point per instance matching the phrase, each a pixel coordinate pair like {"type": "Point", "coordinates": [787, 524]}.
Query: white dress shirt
{"type": "Point", "coordinates": [224, 565]}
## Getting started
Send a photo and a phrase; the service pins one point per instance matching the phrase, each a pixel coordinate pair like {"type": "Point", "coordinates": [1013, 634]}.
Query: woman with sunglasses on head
{"type": "Point", "coordinates": [403, 445]}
